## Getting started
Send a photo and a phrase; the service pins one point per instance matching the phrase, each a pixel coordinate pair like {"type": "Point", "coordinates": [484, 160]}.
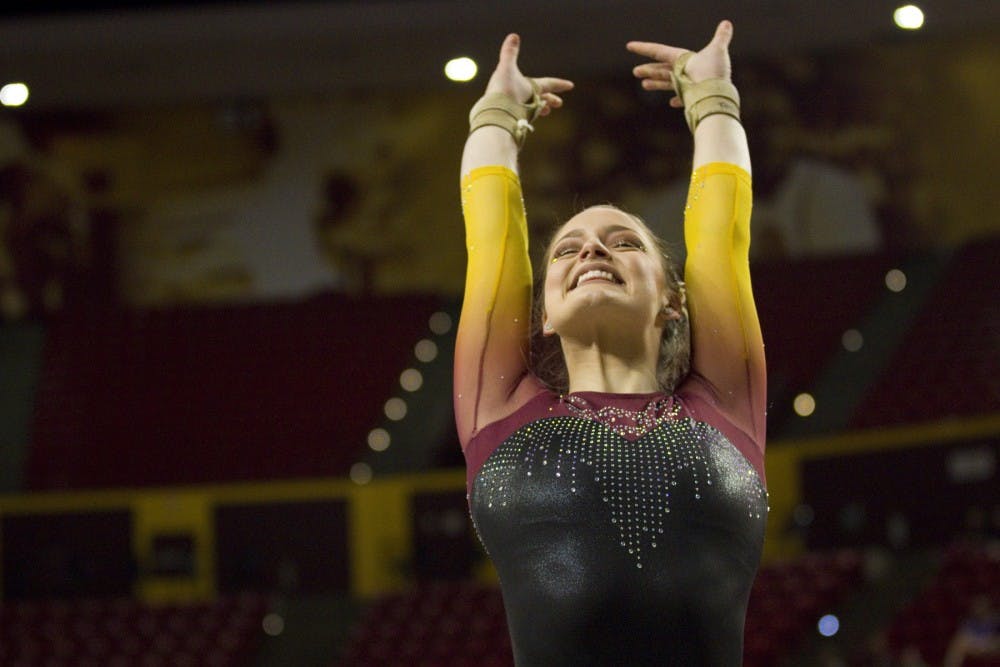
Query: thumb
{"type": "Point", "coordinates": [723, 35]}
{"type": "Point", "coordinates": [509, 49]}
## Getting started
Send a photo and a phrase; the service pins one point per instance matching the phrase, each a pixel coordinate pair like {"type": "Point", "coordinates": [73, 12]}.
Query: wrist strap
{"type": "Point", "coordinates": [705, 98]}
{"type": "Point", "coordinates": [501, 110]}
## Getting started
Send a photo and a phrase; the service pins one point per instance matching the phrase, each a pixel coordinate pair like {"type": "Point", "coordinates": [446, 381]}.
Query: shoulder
{"type": "Point", "coordinates": [542, 405]}
{"type": "Point", "coordinates": [698, 398]}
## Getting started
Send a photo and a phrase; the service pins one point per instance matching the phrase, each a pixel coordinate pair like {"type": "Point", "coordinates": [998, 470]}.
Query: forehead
{"type": "Point", "coordinates": [597, 219]}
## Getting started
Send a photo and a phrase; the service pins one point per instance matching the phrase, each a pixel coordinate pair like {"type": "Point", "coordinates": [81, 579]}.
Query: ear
{"type": "Point", "coordinates": [672, 310]}
{"type": "Point", "coordinates": [668, 314]}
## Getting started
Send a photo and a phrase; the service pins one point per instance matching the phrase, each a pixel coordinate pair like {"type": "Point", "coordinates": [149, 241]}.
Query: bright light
{"type": "Point", "coordinates": [273, 625]}
{"type": "Point", "coordinates": [361, 473]}
{"type": "Point", "coordinates": [378, 439]}
{"type": "Point", "coordinates": [395, 409]}
{"type": "Point", "coordinates": [411, 379]}
{"type": "Point", "coordinates": [13, 94]}
{"type": "Point", "coordinates": [426, 350]}
{"type": "Point", "coordinates": [804, 405]}
{"type": "Point", "coordinates": [852, 340]}
{"type": "Point", "coordinates": [440, 322]}
{"type": "Point", "coordinates": [461, 69]}
{"type": "Point", "coordinates": [895, 280]}
{"type": "Point", "coordinates": [828, 625]}
{"type": "Point", "coordinates": [909, 17]}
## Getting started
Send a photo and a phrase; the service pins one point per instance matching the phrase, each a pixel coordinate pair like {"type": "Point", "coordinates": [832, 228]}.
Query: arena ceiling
{"type": "Point", "coordinates": [99, 54]}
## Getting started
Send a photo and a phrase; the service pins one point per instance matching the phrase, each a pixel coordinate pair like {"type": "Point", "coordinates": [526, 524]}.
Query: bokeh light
{"type": "Point", "coordinates": [440, 322]}
{"type": "Point", "coordinates": [828, 625]}
{"type": "Point", "coordinates": [803, 515]}
{"type": "Point", "coordinates": [273, 624]}
{"type": "Point", "coordinates": [379, 439]}
{"type": "Point", "coordinates": [395, 409]}
{"type": "Point", "coordinates": [804, 404]}
{"type": "Point", "coordinates": [908, 17]}
{"type": "Point", "coordinates": [426, 350]}
{"type": "Point", "coordinates": [895, 280]}
{"type": "Point", "coordinates": [852, 340]}
{"type": "Point", "coordinates": [461, 69]}
{"type": "Point", "coordinates": [411, 379]}
{"type": "Point", "coordinates": [361, 473]}
{"type": "Point", "coordinates": [14, 94]}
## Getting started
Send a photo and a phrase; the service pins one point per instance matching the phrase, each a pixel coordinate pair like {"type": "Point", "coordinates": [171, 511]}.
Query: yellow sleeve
{"type": "Point", "coordinates": [727, 350]}
{"type": "Point", "coordinates": [491, 348]}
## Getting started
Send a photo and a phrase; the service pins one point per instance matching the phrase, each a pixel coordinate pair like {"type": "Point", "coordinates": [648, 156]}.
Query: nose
{"type": "Point", "coordinates": [593, 248]}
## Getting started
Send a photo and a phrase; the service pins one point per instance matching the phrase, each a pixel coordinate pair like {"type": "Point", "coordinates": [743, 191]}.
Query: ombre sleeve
{"type": "Point", "coordinates": [491, 377]}
{"type": "Point", "coordinates": [727, 349]}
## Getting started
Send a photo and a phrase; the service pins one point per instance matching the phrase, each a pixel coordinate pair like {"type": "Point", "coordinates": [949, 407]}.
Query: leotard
{"type": "Point", "coordinates": [626, 529]}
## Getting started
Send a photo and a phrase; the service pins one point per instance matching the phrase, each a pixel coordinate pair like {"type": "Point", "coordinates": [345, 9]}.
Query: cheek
{"type": "Point", "coordinates": [554, 276]}
{"type": "Point", "coordinates": [651, 276]}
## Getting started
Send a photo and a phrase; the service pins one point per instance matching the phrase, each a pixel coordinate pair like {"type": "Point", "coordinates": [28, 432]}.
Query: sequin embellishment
{"type": "Point", "coordinates": [637, 479]}
{"type": "Point", "coordinates": [628, 423]}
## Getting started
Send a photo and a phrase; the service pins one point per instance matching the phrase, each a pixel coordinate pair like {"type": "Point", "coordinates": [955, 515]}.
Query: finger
{"type": "Point", "coordinates": [676, 102]}
{"type": "Point", "coordinates": [509, 49]}
{"type": "Point", "coordinates": [549, 84]}
{"type": "Point", "coordinates": [552, 101]}
{"type": "Point", "coordinates": [652, 71]}
{"type": "Point", "coordinates": [660, 84]}
{"type": "Point", "coordinates": [656, 51]}
{"type": "Point", "coordinates": [656, 84]}
{"type": "Point", "coordinates": [549, 102]}
{"type": "Point", "coordinates": [723, 35]}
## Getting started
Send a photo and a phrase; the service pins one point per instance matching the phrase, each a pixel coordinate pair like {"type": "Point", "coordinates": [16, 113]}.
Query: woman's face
{"type": "Point", "coordinates": [603, 266]}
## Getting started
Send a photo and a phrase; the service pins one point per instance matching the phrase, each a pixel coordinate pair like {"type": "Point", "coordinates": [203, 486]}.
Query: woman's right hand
{"type": "Point", "coordinates": [508, 79]}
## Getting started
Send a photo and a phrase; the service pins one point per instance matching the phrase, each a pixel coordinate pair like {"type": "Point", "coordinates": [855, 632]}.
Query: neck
{"type": "Point", "coordinates": [618, 369]}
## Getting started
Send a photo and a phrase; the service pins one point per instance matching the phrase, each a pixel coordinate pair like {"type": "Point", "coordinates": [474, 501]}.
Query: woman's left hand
{"type": "Point", "coordinates": [712, 62]}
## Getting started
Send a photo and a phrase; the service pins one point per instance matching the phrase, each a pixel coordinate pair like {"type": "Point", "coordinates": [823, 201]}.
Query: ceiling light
{"type": "Point", "coordinates": [909, 17]}
{"type": "Point", "coordinates": [461, 69]}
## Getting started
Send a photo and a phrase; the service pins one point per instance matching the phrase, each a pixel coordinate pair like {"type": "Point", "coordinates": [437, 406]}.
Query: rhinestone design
{"type": "Point", "coordinates": [624, 422]}
{"type": "Point", "coordinates": [637, 479]}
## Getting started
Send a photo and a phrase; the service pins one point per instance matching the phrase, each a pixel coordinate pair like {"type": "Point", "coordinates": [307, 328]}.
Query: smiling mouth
{"type": "Point", "coordinates": [595, 275]}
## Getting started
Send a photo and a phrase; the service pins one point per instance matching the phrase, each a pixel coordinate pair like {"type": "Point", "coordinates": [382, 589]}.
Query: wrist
{"type": "Point", "coordinates": [499, 109]}
{"type": "Point", "coordinates": [706, 97]}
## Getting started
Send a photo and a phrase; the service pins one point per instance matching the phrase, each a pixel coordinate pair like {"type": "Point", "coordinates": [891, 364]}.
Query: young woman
{"type": "Point", "coordinates": [620, 497]}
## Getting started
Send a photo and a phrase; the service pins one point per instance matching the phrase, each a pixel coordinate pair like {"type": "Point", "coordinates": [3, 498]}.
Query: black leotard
{"type": "Point", "coordinates": [625, 529]}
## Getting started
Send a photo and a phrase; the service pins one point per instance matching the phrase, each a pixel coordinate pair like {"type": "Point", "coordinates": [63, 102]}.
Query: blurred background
{"type": "Point", "coordinates": [231, 263]}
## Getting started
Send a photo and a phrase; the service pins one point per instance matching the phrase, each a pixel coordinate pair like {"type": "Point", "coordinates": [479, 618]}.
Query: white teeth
{"type": "Point", "coordinates": [595, 274]}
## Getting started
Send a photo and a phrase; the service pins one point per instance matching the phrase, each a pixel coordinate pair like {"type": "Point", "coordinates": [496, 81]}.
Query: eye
{"type": "Point", "coordinates": [563, 251]}
{"type": "Point", "coordinates": [628, 243]}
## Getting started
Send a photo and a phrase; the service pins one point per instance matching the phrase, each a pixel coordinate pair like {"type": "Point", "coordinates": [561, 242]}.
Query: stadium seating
{"type": "Point", "coordinates": [125, 633]}
{"type": "Point", "coordinates": [930, 620]}
{"type": "Point", "coordinates": [234, 393]}
{"type": "Point", "coordinates": [463, 623]}
{"type": "Point", "coordinates": [948, 365]}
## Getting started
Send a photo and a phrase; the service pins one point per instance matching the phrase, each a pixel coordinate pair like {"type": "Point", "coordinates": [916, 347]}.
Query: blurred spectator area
{"type": "Point", "coordinates": [291, 389]}
{"type": "Point", "coordinates": [121, 631]}
{"type": "Point", "coordinates": [948, 363]}
{"type": "Point", "coordinates": [195, 394]}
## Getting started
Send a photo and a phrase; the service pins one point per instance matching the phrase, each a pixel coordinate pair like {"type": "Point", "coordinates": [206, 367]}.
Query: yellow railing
{"type": "Point", "coordinates": [379, 512]}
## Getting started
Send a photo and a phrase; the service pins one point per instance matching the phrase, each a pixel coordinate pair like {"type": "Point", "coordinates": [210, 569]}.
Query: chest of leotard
{"type": "Point", "coordinates": [614, 549]}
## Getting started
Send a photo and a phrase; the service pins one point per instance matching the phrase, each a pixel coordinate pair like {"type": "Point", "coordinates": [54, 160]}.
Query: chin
{"type": "Point", "coordinates": [602, 310]}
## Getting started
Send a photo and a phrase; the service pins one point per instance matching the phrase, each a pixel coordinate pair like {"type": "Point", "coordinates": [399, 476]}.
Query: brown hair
{"type": "Point", "coordinates": [547, 361]}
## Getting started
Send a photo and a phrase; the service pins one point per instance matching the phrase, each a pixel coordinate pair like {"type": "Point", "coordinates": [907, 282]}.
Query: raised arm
{"type": "Point", "coordinates": [490, 375]}
{"type": "Point", "coordinates": [727, 347]}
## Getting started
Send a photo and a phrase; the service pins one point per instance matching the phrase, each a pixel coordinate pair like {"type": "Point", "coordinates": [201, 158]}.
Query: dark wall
{"type": "Point", "coordinates": [910, 497]}
{"type": "Point", "coordinates": [285, 547]}
{"type": "Point", "coordinates": [68, 555]}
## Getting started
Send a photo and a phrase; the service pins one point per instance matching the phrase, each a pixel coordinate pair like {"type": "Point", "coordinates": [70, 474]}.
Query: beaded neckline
{"type": "Point", "coordinates": [625, 422]}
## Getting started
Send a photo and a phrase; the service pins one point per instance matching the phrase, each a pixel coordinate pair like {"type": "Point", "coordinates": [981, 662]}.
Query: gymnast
{"type": "Point", "coordinates": [613, 422]}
